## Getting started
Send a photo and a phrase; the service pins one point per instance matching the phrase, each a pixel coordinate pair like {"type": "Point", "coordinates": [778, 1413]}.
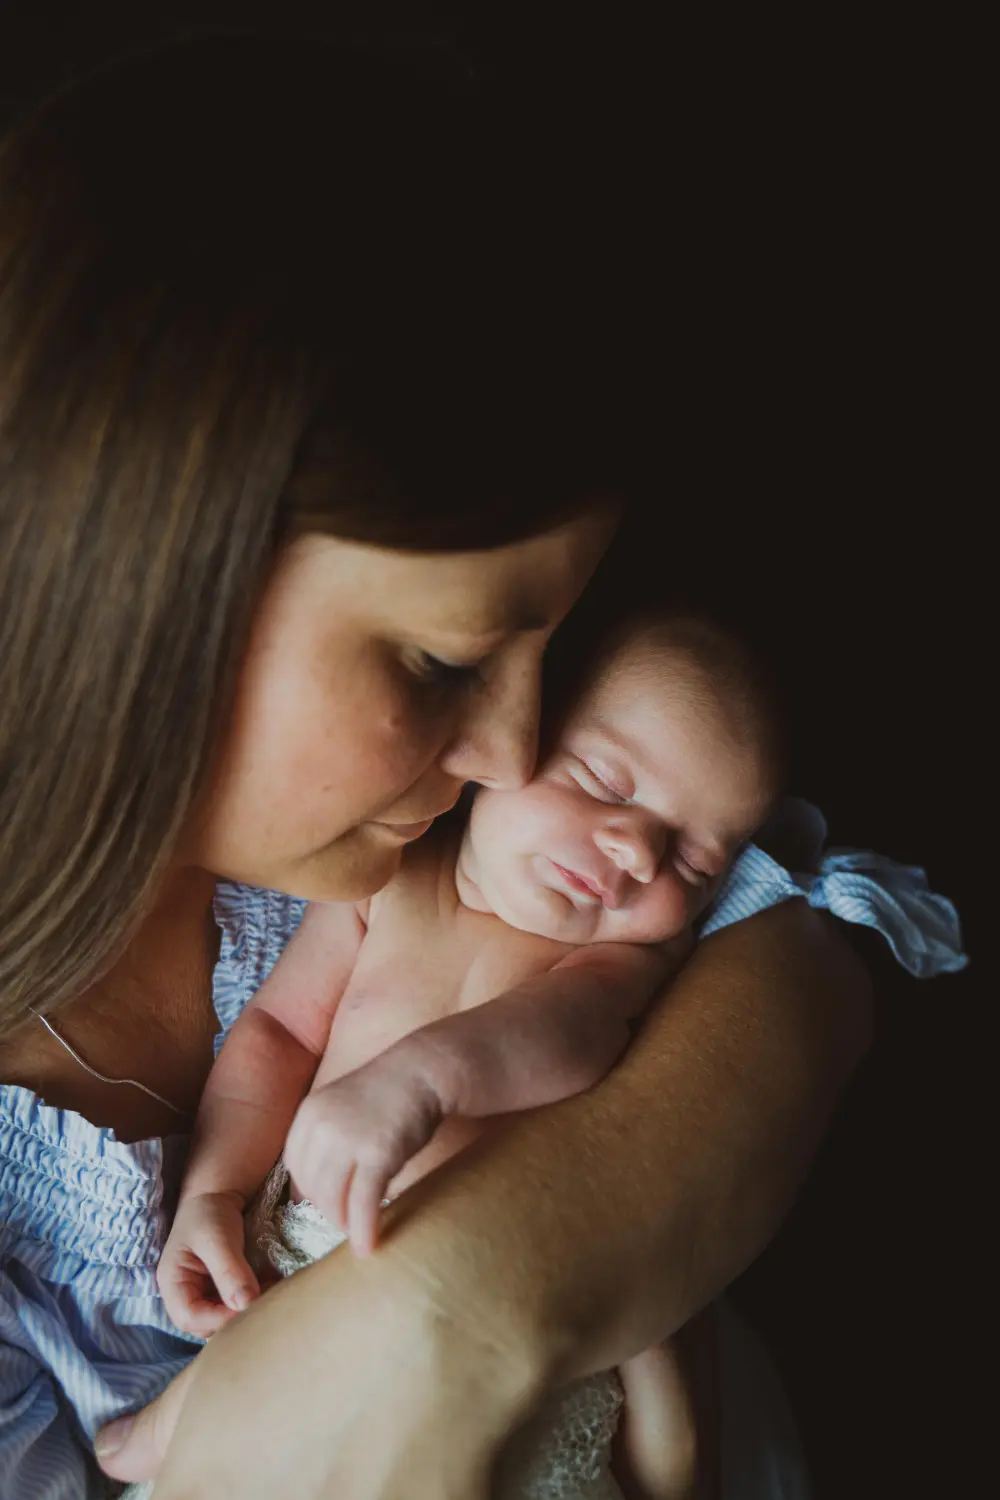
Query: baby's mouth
{"type": "Point", "coordinates": [584, 885]}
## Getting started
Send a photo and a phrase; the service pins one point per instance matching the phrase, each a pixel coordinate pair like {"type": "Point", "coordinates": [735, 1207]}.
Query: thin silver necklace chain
{"type": "Point", "coordinates": [132, 1083]}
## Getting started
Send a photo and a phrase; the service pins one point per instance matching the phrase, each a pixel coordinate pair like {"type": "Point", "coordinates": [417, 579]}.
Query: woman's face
{"type": "Point", "coordinates": [377, 683]}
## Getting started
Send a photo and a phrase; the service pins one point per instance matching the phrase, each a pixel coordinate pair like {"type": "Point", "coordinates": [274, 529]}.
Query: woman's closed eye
{"type": "Point", "coordinates": [437, 672]}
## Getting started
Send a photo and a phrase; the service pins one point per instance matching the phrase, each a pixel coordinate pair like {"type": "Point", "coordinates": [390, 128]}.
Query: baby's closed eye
{"type": "Point", "coordinates": [600, 781]}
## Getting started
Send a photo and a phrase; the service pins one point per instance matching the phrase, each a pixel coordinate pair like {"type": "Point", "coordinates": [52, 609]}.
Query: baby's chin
{"type": "Point", "coordinates": [546, 913]}
{"type": "Point", "coordinates": [549, 914]}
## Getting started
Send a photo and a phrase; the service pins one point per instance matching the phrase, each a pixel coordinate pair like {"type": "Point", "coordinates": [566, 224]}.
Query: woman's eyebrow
{"type": "Point", "coordinates": [482, 637]}
{"type": "Point", "coordinates": [472, 641]}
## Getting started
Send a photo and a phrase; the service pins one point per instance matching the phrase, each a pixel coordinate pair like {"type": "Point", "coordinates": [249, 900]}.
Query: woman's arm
{"type": "Point", "coordinates": [563, 1243]}
{"type": "Point", "coordinates": [629, 1208]}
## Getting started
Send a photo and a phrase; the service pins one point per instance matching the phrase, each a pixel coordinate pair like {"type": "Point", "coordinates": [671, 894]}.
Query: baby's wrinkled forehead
{"type": "Point", "coordinates": [642, 672]}
{"type": "Point", "coordinates": [685, 707]}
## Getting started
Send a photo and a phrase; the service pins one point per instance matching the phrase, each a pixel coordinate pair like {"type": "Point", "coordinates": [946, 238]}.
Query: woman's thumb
{"type": "Point", "coordinates": [134, 1447]}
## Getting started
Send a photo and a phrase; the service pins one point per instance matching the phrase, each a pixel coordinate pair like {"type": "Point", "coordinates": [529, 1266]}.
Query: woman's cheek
{"type": "Point", "coordinates": [412, 738]}
{"type": "Point", "coordinates": [388, 739]}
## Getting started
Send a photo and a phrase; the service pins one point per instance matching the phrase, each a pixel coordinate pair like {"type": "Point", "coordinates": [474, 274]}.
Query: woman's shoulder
{"type": "Point", "coordinates": [71, 1194]}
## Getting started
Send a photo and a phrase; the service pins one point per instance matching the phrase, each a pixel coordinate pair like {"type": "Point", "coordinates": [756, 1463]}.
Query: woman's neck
{"type": "Point", "coordinates": [150, 1018]}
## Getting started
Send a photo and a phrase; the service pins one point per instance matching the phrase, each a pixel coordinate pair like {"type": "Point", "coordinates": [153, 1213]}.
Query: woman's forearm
{"type": "Point", "coordinates": [589, 1230]}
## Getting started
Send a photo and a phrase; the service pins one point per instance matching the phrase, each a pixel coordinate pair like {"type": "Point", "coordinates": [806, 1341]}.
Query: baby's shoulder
{"type": "Point", "coordinates": [499, 956]}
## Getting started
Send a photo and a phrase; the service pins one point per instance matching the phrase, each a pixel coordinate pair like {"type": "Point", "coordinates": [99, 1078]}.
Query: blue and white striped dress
{"type": "Point", "coordinates": [83, 1333]}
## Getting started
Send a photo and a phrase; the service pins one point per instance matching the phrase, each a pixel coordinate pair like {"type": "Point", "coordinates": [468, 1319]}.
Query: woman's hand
{"type": "Point", "coordinates": [383, 1392]}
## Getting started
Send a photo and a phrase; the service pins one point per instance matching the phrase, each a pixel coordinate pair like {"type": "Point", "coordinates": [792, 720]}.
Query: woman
{"type": "Point", "coordinates": [294, 492]}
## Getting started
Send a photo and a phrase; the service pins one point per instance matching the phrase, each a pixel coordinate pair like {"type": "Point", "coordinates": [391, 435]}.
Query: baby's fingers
{"type": "Point", "coordinates": [188, 1293]}
{"type": "Point", "coordinates": [197, 1311]}
{"type": "Point", "coordinates": [365, 1195]}
{"type": "Point", "coordinates": [235, 1282]}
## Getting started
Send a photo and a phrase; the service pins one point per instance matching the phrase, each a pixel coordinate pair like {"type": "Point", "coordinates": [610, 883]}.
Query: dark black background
{"type": "Point", "coordinates": [791, 213]}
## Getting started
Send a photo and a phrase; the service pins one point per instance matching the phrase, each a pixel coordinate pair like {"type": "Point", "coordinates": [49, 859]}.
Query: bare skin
{"type": "Point", "coordinates": [419, 1014]}
{"type": "Point", "coordinates": [775, 1016]}
{"type": "Point", "coordinates": [151, 1018]}
{"type": "Point", "coordinates": [346, 731]}
{"type": "Point", "coordinates": [718, 1107]}
{"type": "Point", "coordinates": [612, 850]}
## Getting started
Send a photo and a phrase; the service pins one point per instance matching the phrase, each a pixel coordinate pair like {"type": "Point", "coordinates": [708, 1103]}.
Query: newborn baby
{"type": "Point", "coordinates": [501, 969]}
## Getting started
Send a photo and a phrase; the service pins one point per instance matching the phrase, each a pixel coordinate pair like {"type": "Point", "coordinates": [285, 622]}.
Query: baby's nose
{"type": "Point", "coordinates": [634, 846]}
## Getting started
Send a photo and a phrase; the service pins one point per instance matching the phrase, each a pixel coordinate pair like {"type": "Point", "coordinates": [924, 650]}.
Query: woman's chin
{"type": "Point", "coordinates": [353, 868]}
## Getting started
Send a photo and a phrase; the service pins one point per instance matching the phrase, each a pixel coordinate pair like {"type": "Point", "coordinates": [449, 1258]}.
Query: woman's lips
{"type": "Point", "coordinates": [408, 830]}
{"type": "Point", "coordinates": [418, 826]}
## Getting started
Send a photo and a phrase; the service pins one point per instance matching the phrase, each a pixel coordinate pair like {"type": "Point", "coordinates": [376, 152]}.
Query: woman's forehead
{"type": "Point", "coordinates": [524, 586]}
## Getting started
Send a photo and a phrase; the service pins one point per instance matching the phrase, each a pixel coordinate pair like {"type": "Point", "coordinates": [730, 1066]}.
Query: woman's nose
{"type": "Point", "coordinates": [497, 740]}
{"type": "Point", "coordinates": [634, 843]}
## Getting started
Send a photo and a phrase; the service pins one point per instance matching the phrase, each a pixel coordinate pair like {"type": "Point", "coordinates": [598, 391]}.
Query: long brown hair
{"type": "Point", "coordinates": [245, 290]}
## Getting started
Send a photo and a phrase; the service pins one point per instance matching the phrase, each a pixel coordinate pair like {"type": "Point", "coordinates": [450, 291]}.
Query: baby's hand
{"type": "Point", "coordinates": [203, 1274]}
{"type": "Point", "coordinates": [350, 1138]}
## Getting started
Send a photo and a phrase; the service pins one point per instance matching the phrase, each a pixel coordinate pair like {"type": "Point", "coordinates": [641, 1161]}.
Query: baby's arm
{"type": "Point", "coordinates": [250, 1099]}
{"type": "Point", "coordinates": [555, 1035]}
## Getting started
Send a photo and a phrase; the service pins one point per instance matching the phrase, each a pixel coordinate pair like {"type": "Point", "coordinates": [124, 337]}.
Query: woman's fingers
{"type": "Point", "coordinates": [133, 1447]}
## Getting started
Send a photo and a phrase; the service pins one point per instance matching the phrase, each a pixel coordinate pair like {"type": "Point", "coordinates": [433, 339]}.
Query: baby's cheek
{"type": "Point", "coordinates": [664, 910]}
{"type": "Point", "coordinates": [537, 819]}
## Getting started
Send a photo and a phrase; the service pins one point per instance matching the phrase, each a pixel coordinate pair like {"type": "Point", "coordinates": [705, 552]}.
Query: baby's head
{"type": "Point", "coordinates": [662, 770]}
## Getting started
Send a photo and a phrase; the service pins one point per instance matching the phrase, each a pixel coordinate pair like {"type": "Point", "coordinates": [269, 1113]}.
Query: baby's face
{"type": "Point", "coordinates": [626, 830]}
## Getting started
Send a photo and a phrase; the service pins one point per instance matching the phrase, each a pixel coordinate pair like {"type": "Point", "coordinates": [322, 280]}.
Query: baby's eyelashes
{"type": "Point", "coordinates": [600, 782]}
{"type": "Point", "coordinates": [691, 873]}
